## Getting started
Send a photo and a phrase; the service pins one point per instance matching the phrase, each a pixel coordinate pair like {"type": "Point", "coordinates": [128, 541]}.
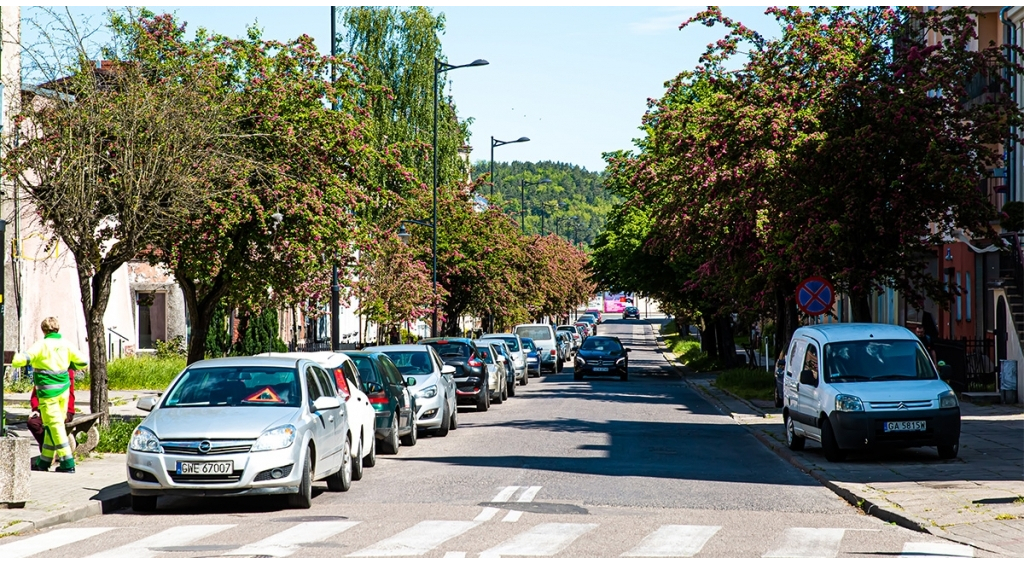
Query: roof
{"type": "Point", "coordinates": [397, 348]}
{"type": "Point", "coordinates": [278, 361]}
{"type": "Point", "coordinates": [833, 332]}
{"type": "Point", "coordinates": [498, 335]}
{"type": "Point", "coordinates": [326, 358]}
{"type": "Point", "coordinates": [449, 339]}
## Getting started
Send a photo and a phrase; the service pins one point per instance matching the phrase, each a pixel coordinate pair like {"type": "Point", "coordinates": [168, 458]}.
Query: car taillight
{"type": "Point", "coordinates": [553, 351]}
{"type": "Point", "coordinates": [474, 362]}
{"type": "Point", "coordinates": [339, 379]}
{"type": "Point", "coordinates": [379, 398]}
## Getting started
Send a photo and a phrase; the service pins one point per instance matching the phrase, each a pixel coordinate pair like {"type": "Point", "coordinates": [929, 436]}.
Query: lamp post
{"type": "Point", "coordinates": [522, 199]}
{"type": "Point", "coordinates": [499, 143]}
{"type": "Point", "coordinates": [440, 67]}
{"type": "Point", "coordinates": [335, 286]}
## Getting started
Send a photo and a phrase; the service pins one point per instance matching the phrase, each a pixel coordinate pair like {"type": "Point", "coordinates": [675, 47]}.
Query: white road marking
{"type": "Point", "coordinates": [529, 494]}
{"type": "Point", "coordinates": [800, 542]}
{"type": "Point", "coordinates": [454, 554]}
{"type": "Point", "coordinates": [936, 549]}
{"type": "Point", "coordinates": [543, 540]}
{"type": "Point", "coordinates": [290, 540]}
{"type": "Point", "coordinates": [505, 494]}
{"type": "Point", "coordinates": [486, 514]}
{"type": "Point", "coordinates": [46, 541]}
{"type": "Point", "coordinates": [512, 516]}
{"type": "Point", "coordinates": [418, 539]}
{"type": "Point", "coordinates": [150, 546]}
{"type": "Point", "coordinates": [678, 541]}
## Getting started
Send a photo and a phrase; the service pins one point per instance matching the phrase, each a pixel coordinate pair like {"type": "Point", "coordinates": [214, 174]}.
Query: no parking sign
{"type": "Point", "coordinates": [815, 296]}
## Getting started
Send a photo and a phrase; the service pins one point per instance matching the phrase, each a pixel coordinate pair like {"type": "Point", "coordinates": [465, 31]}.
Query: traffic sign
{"type": "Point", "coordinates": [815, 296]}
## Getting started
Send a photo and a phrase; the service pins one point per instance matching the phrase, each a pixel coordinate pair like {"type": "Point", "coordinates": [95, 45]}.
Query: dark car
{"type": "Point", "coordinates": [602, 356]}
{"type": "Point", "coordinates": [780, 375]}
{"type": "Point", "coordinates": [470, 374]}
{"type": "Point", "coordinates": [388, 392]}
{"type": "Point", "coordinates": [532, 356]}
{"type": "Point", "coordinates": [631, 312]}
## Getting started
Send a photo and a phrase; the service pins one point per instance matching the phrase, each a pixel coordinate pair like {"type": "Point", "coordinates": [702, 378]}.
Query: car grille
{"type": "Point", "coordinates": [895, 405]}
{"type": "Point", "coordinates": [192, 447]}
{"type": "Point", "coordinates": [198, 479]}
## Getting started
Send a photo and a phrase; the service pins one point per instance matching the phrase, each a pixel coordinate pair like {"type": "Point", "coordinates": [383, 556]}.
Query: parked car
{"type": "Point", "coordinates": [564, 346]}
{"type": "Point", "coordinates": [584, 329]}
{"type": "Point", "coordinates": [596, 313]}
{"type": "Point", "coordinates": [361, 415]}
{"type": "Point", "coordinates": [515, 346]}
{"type": "Point", "coordinates": [532, 357]}
{"type": "Point", "coordinates": [436, 410]}
{"type": "Point", "coordinates": [390, 396]}
{"type": "Point", "coordinates": [591, 322]}
{"type": "Point", "coordinates": [543, 336]}
{"type": "Point", "coordinates": [865, 385]}
{"type": "Point", "coordinates": [497, 376]}
{"type": "Point", "coordinates": [631, 312]}
{"type": "Point", "coordinates": [471, 380]}
{"type": "Point", "coordinates": [505, 356]}
{"type": "Point", "coordinates": [279, 427]}
{"type": "Point", "coordinates": [780, 373]}
{"type": "Point", "coordinates": [573, 331]}
{"type": "Point", "coordinates": [602, 356]}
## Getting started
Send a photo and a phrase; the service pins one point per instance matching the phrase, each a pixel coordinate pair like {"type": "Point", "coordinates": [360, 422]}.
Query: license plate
{"type": "Point", "coordinates": [600, 369]}
{"type": "Point", "coordinates": [903, 426]}
{"type": "Point", "coordinates": [205, 468]}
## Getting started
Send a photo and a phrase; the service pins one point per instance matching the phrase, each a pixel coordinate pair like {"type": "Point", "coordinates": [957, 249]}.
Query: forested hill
{"type": "Point", "coordinates": [574, 192]}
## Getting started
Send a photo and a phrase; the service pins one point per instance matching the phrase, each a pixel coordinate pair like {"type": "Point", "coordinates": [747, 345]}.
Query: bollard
{"type": "Point", "coordinates": [15, 472]}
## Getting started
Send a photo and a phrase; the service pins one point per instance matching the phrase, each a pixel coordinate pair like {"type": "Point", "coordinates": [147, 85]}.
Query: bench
{"type": "Point", "coordinates": [83, 423]}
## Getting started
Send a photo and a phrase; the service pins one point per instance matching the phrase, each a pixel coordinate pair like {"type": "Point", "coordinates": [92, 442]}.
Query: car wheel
{"type": "Point", "coordinates": [946, 452]}
{"type": "Point", "coordinates": [370, 460]}
{"type": "Point", "coordinates": [390, 446]}
{"type": "Point", "coordinates": [526, 378]}
{"type": "Point", "coordinates": [500, 396]}
{"type": "Point", "coordinates": [341, 481]}
{"type": "Point", "coordinates": [504, 390]}
{"type": "Point", "coordinates": [558, 367]}
{"type": "Point", "coordinates": [512, 390]}
{"type": "Point", "coordinates": [455, 417]}
{"type": "Point", "coordinates": [357, 462]}
{"type": "Point", "coordinates": [792, 440]}
{"type": "Point", "coordinates": [446, 421]}
{"type": "Point", "coordinates": [778, 398]}
{"type": "Point", "coordinates": [144, 503]}
{"type": "Point", "coordinates": [625, 376]}
{"type": "Point", "coordinates": [829, 446]}
{"type": "Point", "coordinates": [484, 401]}
{"type": "Point", "coordinates": [410, 439]}
{"type": "Point", "coordinates": [304, 499]}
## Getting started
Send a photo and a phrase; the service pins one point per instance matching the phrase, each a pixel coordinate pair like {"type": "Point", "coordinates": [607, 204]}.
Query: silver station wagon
{"type": "Point", "coordinates": [242, 426]}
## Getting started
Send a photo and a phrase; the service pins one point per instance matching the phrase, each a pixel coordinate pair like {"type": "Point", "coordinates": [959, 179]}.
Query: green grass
{"type": "Point", "coordinates": [139, 373]}
{"type": "Point", "coordinates": [115, 438]}
{"type": "Point", "coordinates": [747, 383]}
{"type": "Point", "coordinates": [687, 349]}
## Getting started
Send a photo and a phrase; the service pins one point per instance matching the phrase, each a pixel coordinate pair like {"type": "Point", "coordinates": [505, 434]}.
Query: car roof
{"type": "Point", "coordinates": [833, 332]}
{"type": "Point", "coordinates": [492, 341]}
{"type": "Point", "coordinates": [491, 335]}
{"type": "Point", "coordinates": [325, 358]}
{"type": "Point", "coordinates": [399, 348]}
{"type": "Point", "coordinates": [532, 325]}
{"type": "Point", "coordinates": [239, 361]}
{"type": "Point", "coordinates": [599, 337]}
{"type": "Point", "coordinates": [449, 339]}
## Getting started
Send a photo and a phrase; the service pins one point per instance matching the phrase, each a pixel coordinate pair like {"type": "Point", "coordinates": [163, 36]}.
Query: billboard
{"type": "Point", "coordinates": [616, 303]}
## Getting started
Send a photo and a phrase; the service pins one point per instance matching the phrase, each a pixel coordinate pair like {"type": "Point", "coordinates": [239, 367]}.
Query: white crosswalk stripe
{"type": "Point", "coordinates": [505, 494]}
{"type": "Point", "coordinates": [673, 541]}
{"type": "Point", "coordinates": [526, 497]}
{"type": "Point", "coordinates": [802, 542]}
{"type": "Point", "coordinates": [418, 539]}
{"type": "Point", "coordinates": [546, 539]}
{"type": "Point", "coordinates": [936, 549]}
{"type": "Point", "coordinates": [150, 546]}
{"type": "Point", "coordinates": [53, 539]}
{"type": "Point", "coordinates": [290, 540]}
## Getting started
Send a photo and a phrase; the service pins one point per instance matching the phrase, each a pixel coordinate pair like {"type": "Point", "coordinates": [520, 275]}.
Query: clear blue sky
{"type": "Point", "coordinates": [575, 80]}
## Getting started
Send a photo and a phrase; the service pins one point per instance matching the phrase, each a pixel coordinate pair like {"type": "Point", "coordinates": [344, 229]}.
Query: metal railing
{"type": "Point", "coordinates": [115, 344]}
{"type": "Point", "coordinates": [969, 364]}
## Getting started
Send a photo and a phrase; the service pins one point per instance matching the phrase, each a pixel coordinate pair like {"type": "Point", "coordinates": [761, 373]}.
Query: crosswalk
{"type": "Point", "coordinates": [507, 536]}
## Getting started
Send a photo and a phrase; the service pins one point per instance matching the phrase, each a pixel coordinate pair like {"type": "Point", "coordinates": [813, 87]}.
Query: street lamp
{"type": "Point", "coordinates": [440, 67]}
{"type": "Point", "coordinates": [522, 199]}
{"type": "Point", "coordinates": [499, 143]}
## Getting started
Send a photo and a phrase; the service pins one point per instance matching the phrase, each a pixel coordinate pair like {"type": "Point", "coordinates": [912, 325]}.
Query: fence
{"type": "Point", "coordinates": [970, 364]}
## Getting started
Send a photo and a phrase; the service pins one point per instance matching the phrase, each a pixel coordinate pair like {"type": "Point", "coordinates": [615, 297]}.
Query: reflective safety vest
{"type": "Point", "coordinates": [50, 359]}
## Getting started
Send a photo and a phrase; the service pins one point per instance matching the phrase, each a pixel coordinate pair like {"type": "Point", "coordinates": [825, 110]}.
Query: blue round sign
{"type": "Point", "coordinates": [815, 296]}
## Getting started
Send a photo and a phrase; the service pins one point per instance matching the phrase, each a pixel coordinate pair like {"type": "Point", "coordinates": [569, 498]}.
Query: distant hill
{"type": "Point", "coordinates": [573, 192]}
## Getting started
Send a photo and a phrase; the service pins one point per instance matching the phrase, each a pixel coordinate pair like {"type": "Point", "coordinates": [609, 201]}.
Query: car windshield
{"type": "Point", "coordinates": [567, 328]}
{"type": "Point", "coordinates": [485, 353]}
{"type": "Point", "coordinates": [604, 345]}
{"type": "Point", "coordinates": [587, 318]}
{"type": "Point", "coordinates": [367, 372]}
{"type": "Point", "coordinates": [535, 333]}
{"type": "Point", "coordinates": [411, 363]}
{"type": "Point", "coordinates": [451, 350]}
{"type": "Point", "coordinates": [877, 360]}
{"type": "Point", "coordinates": [511, 342]}
{"type": "Point", "coordinates": [236, 386]}
{"type": "Point", "coordinates": [500, 348]}
{"type": "Point", "coordinates": [529, 346]}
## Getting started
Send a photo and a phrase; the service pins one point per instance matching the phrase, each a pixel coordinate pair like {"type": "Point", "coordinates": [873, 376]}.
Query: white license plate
{"type": "Point", "coordinates": [903, 426]}
{"type": "Point", "coordinates": [205, 468]}
{"type": "Point", "coordinates": [600, 369]}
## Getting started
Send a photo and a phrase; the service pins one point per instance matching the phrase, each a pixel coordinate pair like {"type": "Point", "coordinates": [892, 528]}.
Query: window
{"type": "Point", "coordinates": [152, 318]}
{"type": "Point", "coordinates": [967, 295]}
{"type": "Point", "coordinates": [328, 387]}
{"type": "Point", "coordinates": [392, 374]}
{"type": "Point", "coordinates": [811, 362]}
{"type": "Point", "coordinates": [959, 301]}
{"type": "Point", "coordinates": [248, 386]}
{"type": "Point", "coordinates": [351, 373]}
{"type": "Point", "coordinates": [311, 384]}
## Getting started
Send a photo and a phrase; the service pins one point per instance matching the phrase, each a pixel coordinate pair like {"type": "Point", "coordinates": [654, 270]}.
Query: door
{"type": "Point", "coordinates": [399, 391]}
{"type": "Point", "coordinates": [807, 394]}
{"type": "Point", "coordinates": [791, 380]}
{"type": "Point", "coordinates": [339, 415]}
{"type": "Point", "coordinates": [360, 413]}
{"type": "Point", "coordinates": [323, 425]}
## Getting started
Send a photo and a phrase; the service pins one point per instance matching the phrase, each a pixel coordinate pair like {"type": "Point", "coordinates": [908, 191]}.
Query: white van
{"type": "Point", "coordinates": [544, 337]}
{"type": "Point", "coordinates": [864, 385]}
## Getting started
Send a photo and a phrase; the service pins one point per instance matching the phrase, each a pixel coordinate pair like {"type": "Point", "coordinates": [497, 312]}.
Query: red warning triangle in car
{"type": "Point", "coordinates": [266, 395]}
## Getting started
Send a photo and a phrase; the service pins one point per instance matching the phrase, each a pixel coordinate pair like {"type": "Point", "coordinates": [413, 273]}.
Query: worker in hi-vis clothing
{"type": "Point", "coordinates": [50, 359]}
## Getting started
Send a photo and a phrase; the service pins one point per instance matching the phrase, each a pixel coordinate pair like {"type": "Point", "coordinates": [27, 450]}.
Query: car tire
{"type": "Point", "coordinates": [390, 446]}
{"type": "Point", "coordinates": [829, 446]}
{"type": "Point", "coordinates": [455, 417]}
{"type": "Point", "coordinates": [558, 366]}
{"type": "Point", "coordinates": [357, 462]}
{"type": "Point", "coordinates": [304, 498]}
{"type": "Point", "coordinates": [526, 378]}
{"type": "Point", "coordinates": [370, 460]}
{"type": "Point", "coordinates": [504, 390]}
{"type": "Point", "coordinates": [446, 422]}
{"type": "Point", "coordinates": [793, 441]}
{"type": "Point", "coordinates": [778, 398]}
{"type": "Point", "coordinates": [625, 376]}
{"type": "Point", "coordinates": [483, 403]}
{"type": "Point", "coordinates": [341, 481]}
{"type": "Point", "coordinates": [144, 503]}
{"type": "Point", "coordinates": [410, 439]}
{"type": "Point", "coordinates": [946, 452]}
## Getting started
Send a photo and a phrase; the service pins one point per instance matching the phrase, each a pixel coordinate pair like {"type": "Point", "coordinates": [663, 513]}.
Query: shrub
{"type": "Point", "coordinates": [115, 437]}
{"type": "Point", "coordinates": [1014, 216]}
{"type": "Point", "coordinates": [687, 350]}
{"type": "Point", "coordinates": [748, 383]}
{"type": "Point", "coordinates": [170, 349]}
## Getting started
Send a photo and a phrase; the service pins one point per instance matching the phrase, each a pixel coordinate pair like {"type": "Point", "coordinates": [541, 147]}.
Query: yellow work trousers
{"type": "Point", "coordinates": [55, 439]}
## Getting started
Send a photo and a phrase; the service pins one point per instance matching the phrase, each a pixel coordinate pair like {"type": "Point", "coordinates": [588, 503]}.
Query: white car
{"type": "Point", "coordinates": [508, 360]}
{"type": "Point", "coordinates": [543, 336]}
{"type": "Point", "coordinates": [436, 410]}
{"type": "Point", "coordinates": [866, 385]}
{"type": "Point", "coordinates": [515, 346]}
{"type": "Point", "coordinates": [574, 331]}
{"type": "Point", "coordinates": [350, 389]}
{"type": "Point", "coordinates": [496, 380]}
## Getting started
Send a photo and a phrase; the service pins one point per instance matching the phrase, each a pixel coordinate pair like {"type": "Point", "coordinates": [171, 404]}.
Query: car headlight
{"type": "Point", "coordinates": [848, 403]}
{"type": "Point", "coordinates": [144, 440]}
{"type": "Point", "coordinates": [428, 392]}
{"type": "Point", "coordinates": [621, 360]}
{"type": "Point", "coordinates": [274, 439]}
{"type": "Point", "coordinates": [948, 399]}
{"type": "Point", "coordinates": [580, 360]}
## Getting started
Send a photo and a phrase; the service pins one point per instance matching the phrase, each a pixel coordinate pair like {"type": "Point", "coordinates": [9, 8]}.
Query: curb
{"type": "Point", "coordinates": [857, 501]}
{"type": "Point", "coordinates": [91, 509]}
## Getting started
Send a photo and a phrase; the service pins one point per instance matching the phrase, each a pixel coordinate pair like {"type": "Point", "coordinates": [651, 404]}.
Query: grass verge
{"type": "Point", "coordinates": [115, 437]}
{"type": "Point", "coordinates": [687, 349]}
{"type": "Point", "coordinates": [747, 383]}
{"type": "Point", "coordinates": [139, 373]}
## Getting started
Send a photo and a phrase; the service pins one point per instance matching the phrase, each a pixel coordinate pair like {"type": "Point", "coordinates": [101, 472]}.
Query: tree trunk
{"type": "Point", "coordinates": [787, 319]}
{"type": "Point", "coordinates": [709, 338]}
{"type": "Point", "coordinates": [200, 313]}
{"type": "Point", "coordinates": [726, 341]}
{"type": "Point", "coordinates": [860, 308]}
{"type": "Point", "coordinates": [95, 289]}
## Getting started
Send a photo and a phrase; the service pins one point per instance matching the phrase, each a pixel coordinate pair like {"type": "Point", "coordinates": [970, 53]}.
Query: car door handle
{"type": "Point", "coordinates": [330, 418]}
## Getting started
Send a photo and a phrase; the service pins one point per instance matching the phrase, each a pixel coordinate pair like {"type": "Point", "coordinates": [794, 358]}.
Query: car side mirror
{"type": "Point", "coordinates": [373, 387]}
{"type": "Point", "coordinates": [324, 403]}
{"type": "Point", "coordinates": [627, 350]}
{"type": "Point", "coordinates": [410, 381]}
{"type": "Point", "coordinates": [807, 378]}
{"type": "Point", "coordinates": [447, 369]}
{"type": "Point", "coordinates": [147, 403]}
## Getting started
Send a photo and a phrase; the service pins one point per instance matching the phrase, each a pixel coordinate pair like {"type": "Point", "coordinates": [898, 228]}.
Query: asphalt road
{"type": "Point", "coordinates": [570, 469]}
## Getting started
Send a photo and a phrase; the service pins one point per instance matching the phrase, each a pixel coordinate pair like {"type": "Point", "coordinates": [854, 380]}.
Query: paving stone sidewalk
{"type": "Point", "coordinates": [976, 499]}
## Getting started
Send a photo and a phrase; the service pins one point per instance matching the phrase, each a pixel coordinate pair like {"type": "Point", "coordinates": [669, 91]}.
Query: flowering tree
{"type": "Point", "coordinates": [393, 286]}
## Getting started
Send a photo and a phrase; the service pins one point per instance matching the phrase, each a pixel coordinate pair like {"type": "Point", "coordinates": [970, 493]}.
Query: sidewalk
{"type": "Point", "coordinates": [976, 499]}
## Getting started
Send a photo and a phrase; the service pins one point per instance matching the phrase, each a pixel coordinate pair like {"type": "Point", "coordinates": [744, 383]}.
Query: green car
{"type": "Point", "coordinates": [390, 397]}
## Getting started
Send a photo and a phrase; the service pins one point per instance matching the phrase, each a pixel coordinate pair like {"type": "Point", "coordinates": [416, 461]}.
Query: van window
{"type": "Point", "coordinates": [536, 332]}
{"type": "Point", "coordinates": [811, 361]}
{"type": "Point", "coordinates": [879, 360]}
{"type": "Point", "coordinates": [796, 357]}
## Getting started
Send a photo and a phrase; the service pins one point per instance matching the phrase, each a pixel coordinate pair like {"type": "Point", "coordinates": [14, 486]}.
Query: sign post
{"type": "Point", "coordinates": [815, 296]}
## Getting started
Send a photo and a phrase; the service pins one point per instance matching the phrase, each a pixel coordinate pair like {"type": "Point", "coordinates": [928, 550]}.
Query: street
{"type": "Point", "coordinates": [599, 468]}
